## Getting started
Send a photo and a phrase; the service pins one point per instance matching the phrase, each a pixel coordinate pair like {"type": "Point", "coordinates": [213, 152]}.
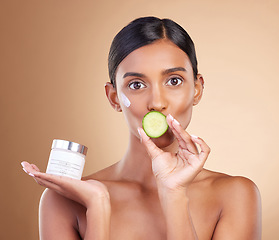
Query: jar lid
{"type": "Point", "coordinates": [67, 145]}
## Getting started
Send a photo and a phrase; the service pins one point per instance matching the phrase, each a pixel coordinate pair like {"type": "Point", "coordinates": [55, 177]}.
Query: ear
{"type": "Point", "coordinates": [199, 85]}
{"type": "Point", "coordinates": [112, 96]}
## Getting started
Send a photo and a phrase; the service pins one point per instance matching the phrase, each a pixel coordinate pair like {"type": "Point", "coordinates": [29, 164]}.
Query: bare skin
{"type": "Point", "coordinates": [159, 189]}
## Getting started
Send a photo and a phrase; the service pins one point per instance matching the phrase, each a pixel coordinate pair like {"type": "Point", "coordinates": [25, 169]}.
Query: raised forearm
{"type": "Point", "coordinates": [98, 220]}
{"type": "Point", "coordinates": [175, 205]}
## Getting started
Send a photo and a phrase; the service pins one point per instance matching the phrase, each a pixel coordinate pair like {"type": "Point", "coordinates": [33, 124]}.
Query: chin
{"type": "Point", "coordinates": [165, 140]}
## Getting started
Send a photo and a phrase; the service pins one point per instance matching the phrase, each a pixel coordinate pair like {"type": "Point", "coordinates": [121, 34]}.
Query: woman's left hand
{"type": "Point", "coordinates": [86, 192]}
{"type": "Point", "coordinates": [177, 170]}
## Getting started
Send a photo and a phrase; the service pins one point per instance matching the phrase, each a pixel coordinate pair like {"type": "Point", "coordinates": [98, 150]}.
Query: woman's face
{"type": "Point", "coordinates": [157, 77]}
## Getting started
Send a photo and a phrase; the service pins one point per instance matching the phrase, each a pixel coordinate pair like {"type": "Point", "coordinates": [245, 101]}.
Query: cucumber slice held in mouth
{"type": "Point", "coordinates": [154, 124]}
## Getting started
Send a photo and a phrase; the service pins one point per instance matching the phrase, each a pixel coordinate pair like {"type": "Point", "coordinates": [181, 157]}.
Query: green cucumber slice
{"type": "Point", "coordinates": [154, 124]}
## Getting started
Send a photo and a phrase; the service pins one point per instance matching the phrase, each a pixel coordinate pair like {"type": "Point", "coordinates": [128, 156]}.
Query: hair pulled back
{"type": "Point", "coordinates": [144, 31]}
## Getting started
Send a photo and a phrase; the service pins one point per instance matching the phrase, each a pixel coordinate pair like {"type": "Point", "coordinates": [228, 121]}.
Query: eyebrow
{"type": "Point", "coordinates": [167, 71]}
{"type": "Point", "coordinates": [176, 69]}
{"type": "Point", "coordinates": [133, 74]}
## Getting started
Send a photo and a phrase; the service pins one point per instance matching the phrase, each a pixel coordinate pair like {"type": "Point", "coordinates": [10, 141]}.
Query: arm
{"type": "Point", "coordinates": [175, 206]}
{"type": "Point", "coordinates": [241, 214]}
{"type": "Point", "coordinates": [57, 221]}
{"type": "Point", "coordinates": [174, 172]}
{"type": "Point", "coordinates": [98, 215]}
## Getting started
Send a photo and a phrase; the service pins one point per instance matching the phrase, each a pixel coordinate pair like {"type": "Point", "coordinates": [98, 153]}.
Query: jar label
{"type": "Point", "coordinates": [65, 163]}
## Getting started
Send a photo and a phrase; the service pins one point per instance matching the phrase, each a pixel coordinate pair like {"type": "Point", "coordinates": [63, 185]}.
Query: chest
{"type": "Point", "coordinates": [138, 218]}
{"type": "Point", "coordinates": [141, 217]}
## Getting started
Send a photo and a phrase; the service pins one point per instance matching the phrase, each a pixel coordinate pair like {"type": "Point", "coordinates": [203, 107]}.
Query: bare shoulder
{"type": "Point", "coordinates": [55, 205]}
{"type": "Point", "coordinates": [232, 187]}
{"type": "Point", "coordinates": [240, 206]}
{"type": "Point", "coordinates": [55, 210]}
{"type": "Point", "coordinates": [52, 199]}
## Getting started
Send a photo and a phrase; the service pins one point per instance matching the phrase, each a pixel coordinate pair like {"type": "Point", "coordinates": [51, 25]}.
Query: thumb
{"type": "Point", "coordinates": [150, 146]}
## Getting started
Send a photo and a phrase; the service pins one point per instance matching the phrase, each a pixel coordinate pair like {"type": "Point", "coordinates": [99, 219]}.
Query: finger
{"type": "Point", "coordinates": [62, 181]}
{"type": "Point", "coordinates": [35, 167]}
{"type": "Point", "coordinates": [185, 142]}
{"type": "Point", "coordinates": [28, 168]}
{"type": "Point", "coordinates": [25, 165]}
{"type": "Point", "coordinates": [53, 186]}
{"type": "Point", "coordinates": [183, 138]}
{"type": "Point", "coordinates": [205, 149]}
{"type": "Point", "coordinates": [34, 171]}
{"type": "Point", "coordinates": [48, 177]}
{"type": "Point", "coordinates": [30, 174]}
{"type": "Point", "coordinates": [62, 185]}
{"type": "Point", "coordinates": [151, 147]}
{"type": "Point", "coordinates": [185, 155]}
{"type": "Point", "coordinates": [47, 184]}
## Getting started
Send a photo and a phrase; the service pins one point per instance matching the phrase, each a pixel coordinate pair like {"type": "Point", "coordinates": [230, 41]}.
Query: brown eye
{"type": "Point", "coordinates": [136, 85]}
{"type": "Point", "coordinates": [174, 81]}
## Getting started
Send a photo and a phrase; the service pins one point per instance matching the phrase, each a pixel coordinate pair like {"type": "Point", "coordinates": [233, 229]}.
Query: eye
{"type": "Point", "coordinates": [174, 81]}
{"type": "Point", "coordinates": [136, 85]}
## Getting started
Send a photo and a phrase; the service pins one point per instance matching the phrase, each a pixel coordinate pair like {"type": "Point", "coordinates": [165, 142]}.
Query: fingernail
{"type": "Point", "coordinates": [194, 136]}
{"type": "Point", "coordinates": [176, 122]}
{"type": "Point", "coordinates": [139, 132]}
{"type": "Point", "coordinates": [22, 164]}
{"type": "Point", "coordinates": [30, 174]}
{"type": "Point", "coordinates": [24, 170]}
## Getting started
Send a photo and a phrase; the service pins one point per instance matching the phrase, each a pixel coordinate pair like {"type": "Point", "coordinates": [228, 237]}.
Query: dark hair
{"type": "Point", "coordinates": [144, 31]}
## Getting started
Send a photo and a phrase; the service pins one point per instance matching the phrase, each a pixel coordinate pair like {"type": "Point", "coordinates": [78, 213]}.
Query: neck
{"type": "Point", "coordinates": [136, 164]}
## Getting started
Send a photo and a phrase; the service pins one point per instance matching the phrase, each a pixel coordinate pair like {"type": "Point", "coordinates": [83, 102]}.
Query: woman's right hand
{"type": "Point", "coordinates": [83, 192]}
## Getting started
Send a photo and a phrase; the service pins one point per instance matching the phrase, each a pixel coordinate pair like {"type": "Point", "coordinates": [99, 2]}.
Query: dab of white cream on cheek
{"type": "Point", "coordinates": [125, 100]}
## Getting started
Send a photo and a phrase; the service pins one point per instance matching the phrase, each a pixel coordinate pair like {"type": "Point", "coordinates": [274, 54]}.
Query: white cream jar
{"type": "Point", "coordinates": [66, 159]}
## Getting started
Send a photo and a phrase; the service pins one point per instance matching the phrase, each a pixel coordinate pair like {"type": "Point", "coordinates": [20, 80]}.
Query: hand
{"type": "Point", "coordinates": [177, 170]}
{"type": "Point", "coordinates": [83, 192]}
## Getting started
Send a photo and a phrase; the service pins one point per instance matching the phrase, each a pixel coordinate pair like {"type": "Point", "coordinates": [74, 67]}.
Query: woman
{"type": "Point", "coordinates": [159, 189]}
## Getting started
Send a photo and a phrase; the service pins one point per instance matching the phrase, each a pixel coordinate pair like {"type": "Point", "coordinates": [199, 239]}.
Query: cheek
{"type": "Point", "coordinates": [125, 101]}
{"type": "Point", "coordinates": [182, 108]}
{"type": "Point", "coordinates": [135, 112]}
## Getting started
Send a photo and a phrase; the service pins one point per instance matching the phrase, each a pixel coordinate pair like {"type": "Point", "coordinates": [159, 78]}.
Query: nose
{"type": "Point", "coordinates": [158, 101]}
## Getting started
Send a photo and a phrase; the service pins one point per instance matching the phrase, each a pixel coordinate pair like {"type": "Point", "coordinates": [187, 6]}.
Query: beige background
{"type": "Point", "coordinates": [54, 65]}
